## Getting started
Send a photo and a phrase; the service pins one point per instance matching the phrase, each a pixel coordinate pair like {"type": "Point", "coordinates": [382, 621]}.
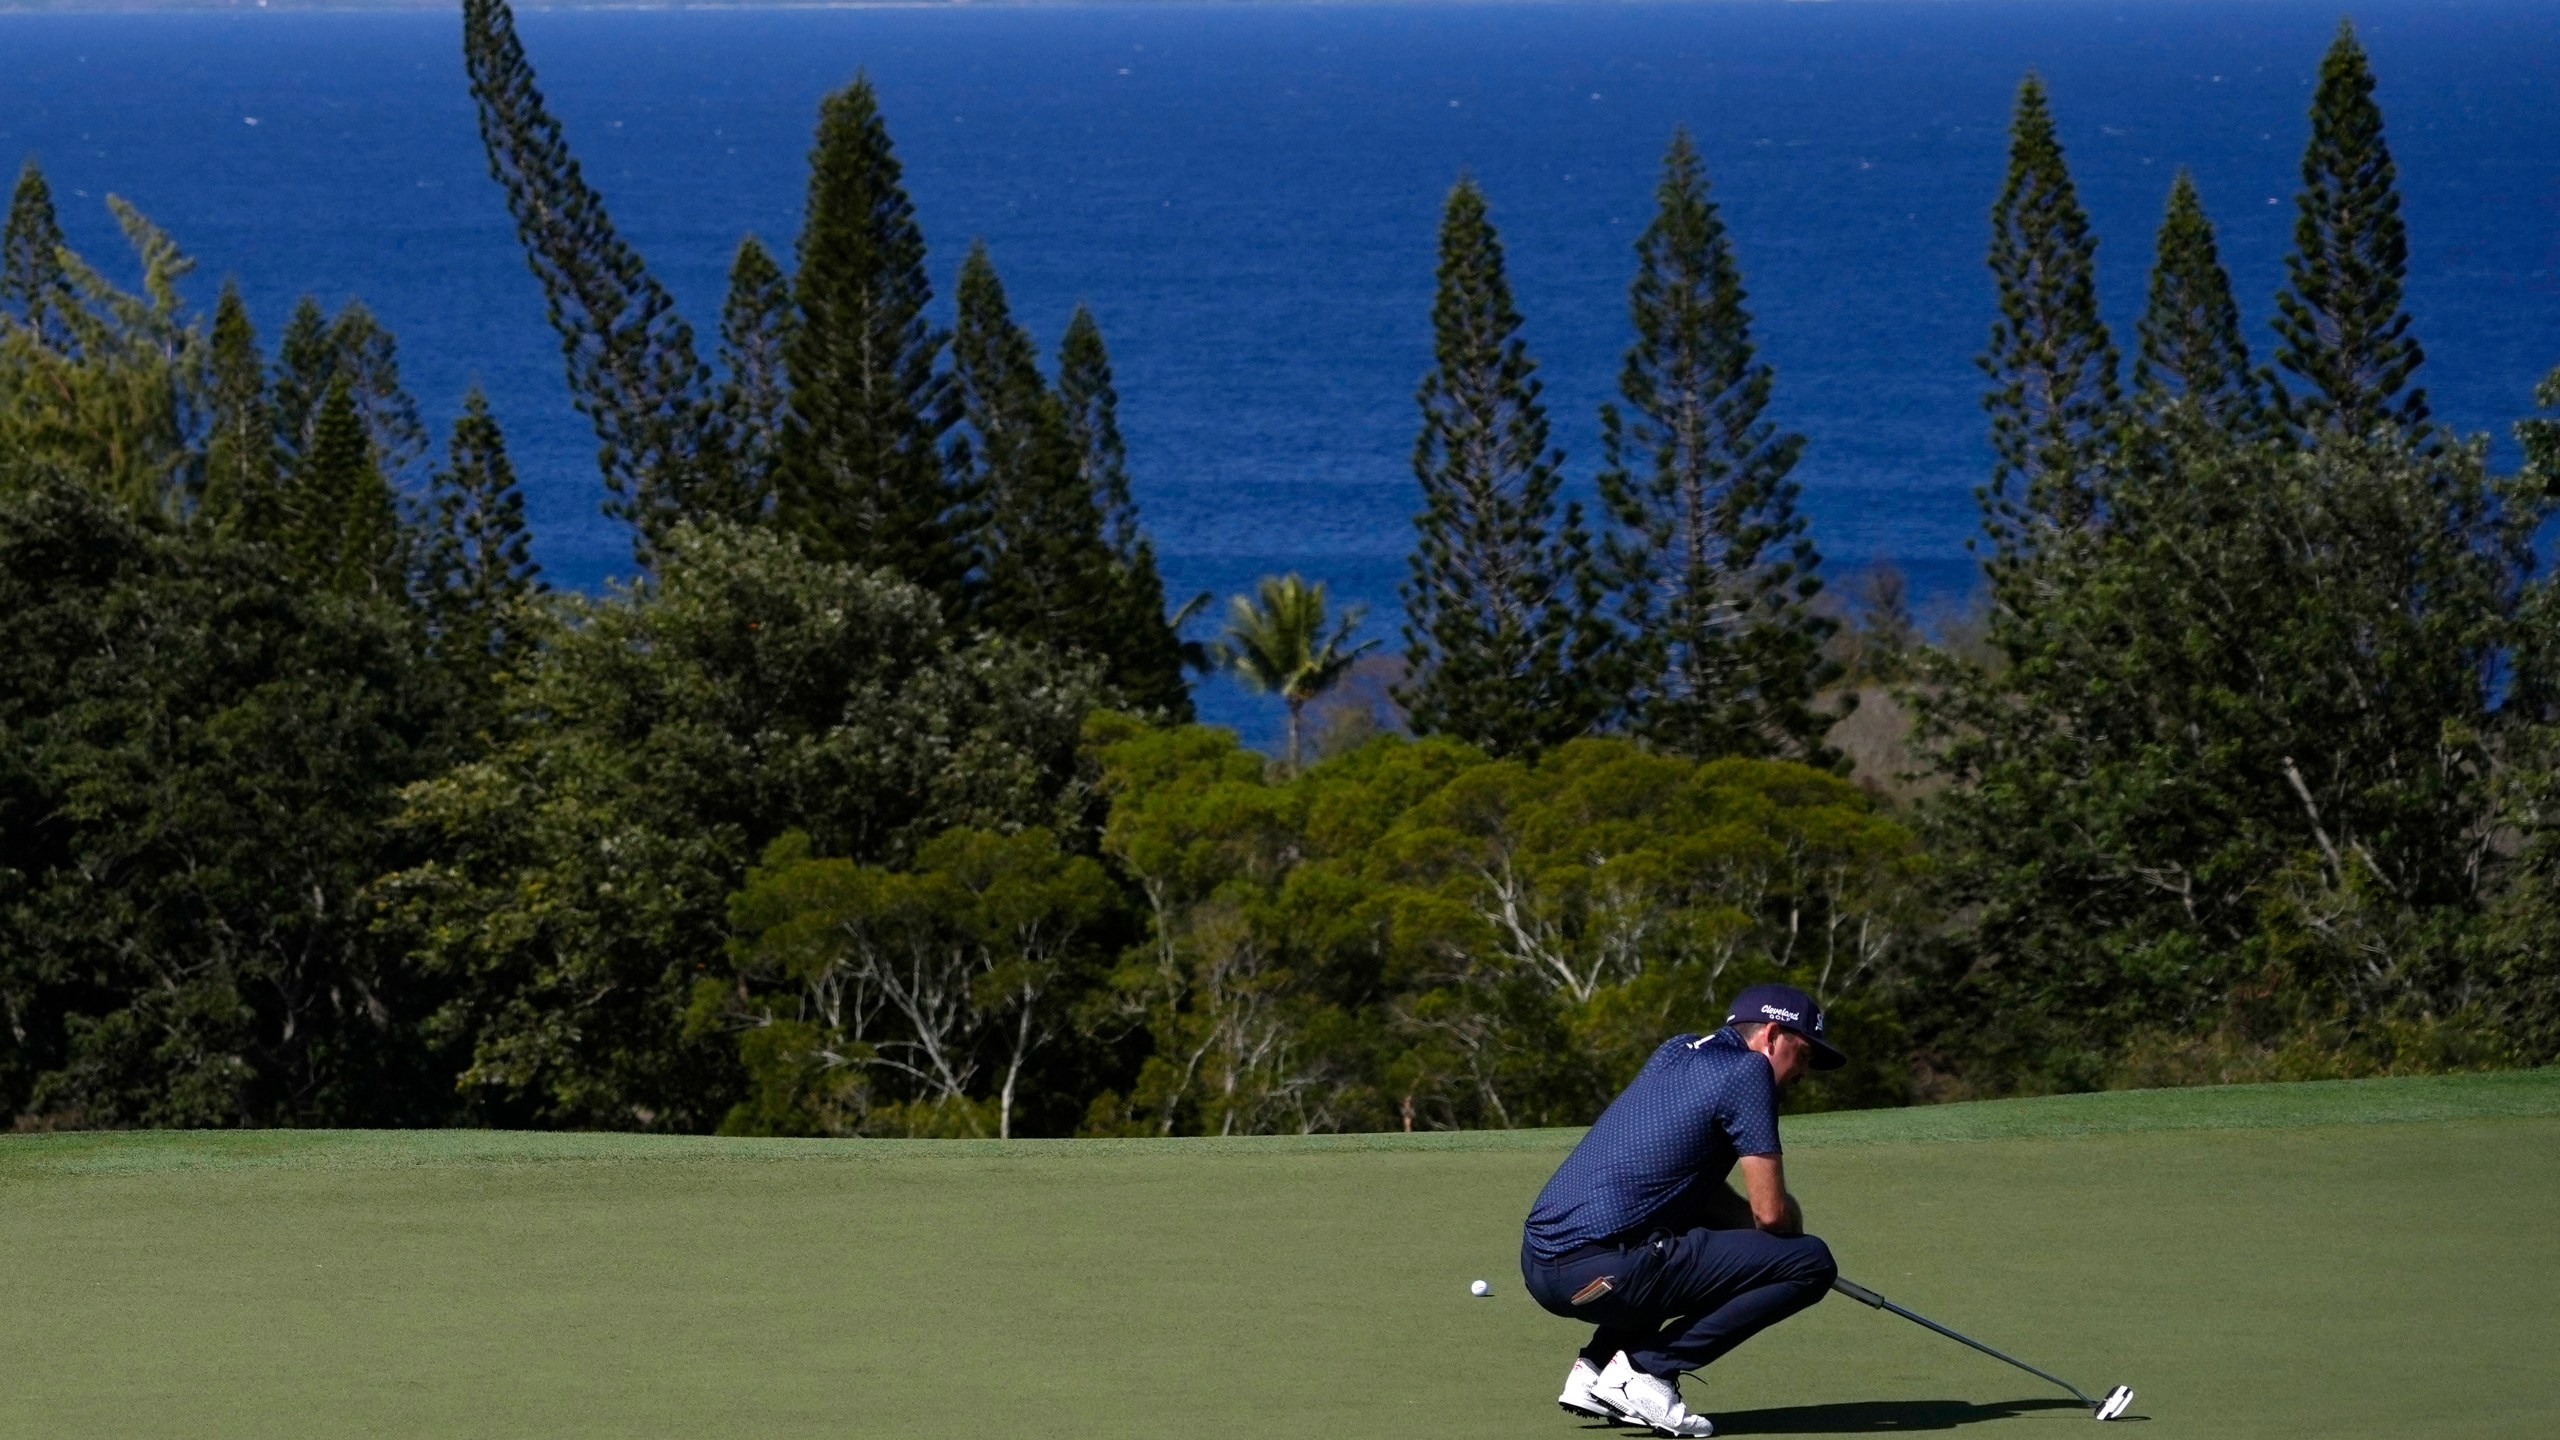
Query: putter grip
{"type": "Point", "coordinates": [1858, 1292]}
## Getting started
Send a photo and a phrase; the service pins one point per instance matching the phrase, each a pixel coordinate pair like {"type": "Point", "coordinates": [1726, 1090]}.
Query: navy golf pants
{"type": "Point", "coordinates": [1678, 1300]}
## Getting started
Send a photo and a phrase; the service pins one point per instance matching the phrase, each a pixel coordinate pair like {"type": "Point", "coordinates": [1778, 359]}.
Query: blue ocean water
{"type": "Point", "coordinates": [1246, 196]}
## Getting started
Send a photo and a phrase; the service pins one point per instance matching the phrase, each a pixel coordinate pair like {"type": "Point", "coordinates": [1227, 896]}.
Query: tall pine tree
{"type": "Point", "coordinates": [1497, 623]}
{"type": "Point", "coordinates": [318, 351]}
{"type": "Point", "coordinates": [306, 362]}
{"type": "Point", "coordinates": [33, 288]}
{"type": "Point", "coordinates": [1092, 404]}
{"type": "Point", "coordinates": [861, 474]}
{"type": "Point", "coordinates": [1049, 577]}
{"type": "Point", "coordinates": [106, 384]}
{"type": "Point", "coordinates": [2339, 316]}
{"type": "Point", "coordinates": [1710, 571]}
{"type": "Point", "coordinates": [2052, 367]}
{"type": "Point", "coordinates": [480, 568]}
{"type": "Point", "coordinates": [342, 525]}
{"type": "Point", "coordinates": [366, 355]}
{"type": "Point", "coordinates": [2191, 346]}
{"type": "Point", "coordinates": [632, 367]}
{"type": "Point", "coordinates": [238, 492]}
{"type": "Point", "coordinates": [1147, 656]}
{"type": "Point", "coordinates": [755, 326]}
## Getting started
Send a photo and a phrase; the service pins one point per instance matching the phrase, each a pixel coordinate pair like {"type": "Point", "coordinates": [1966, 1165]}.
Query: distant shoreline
{"type": "Point", "coordinates": [353, 7]}
{"type": "Point", "coordinates": [357, 7]}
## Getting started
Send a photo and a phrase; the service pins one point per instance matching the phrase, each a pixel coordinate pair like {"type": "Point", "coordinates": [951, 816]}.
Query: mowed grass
{"type": "Point", "coordinates": [2372, 1257]}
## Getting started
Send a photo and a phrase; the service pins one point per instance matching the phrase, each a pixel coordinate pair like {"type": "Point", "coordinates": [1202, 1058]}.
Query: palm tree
{"type": "Point", "coordinates": [1277, 643]}
{"type": "Point", "coordinates": [1198, 656]}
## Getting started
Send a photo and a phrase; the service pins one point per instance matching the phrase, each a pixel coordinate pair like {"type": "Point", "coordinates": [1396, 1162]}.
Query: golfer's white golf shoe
{"type": "Point", "coordinates": [1642, 1399]}
{"type": "Point", "coordinates": [1577, 1399]}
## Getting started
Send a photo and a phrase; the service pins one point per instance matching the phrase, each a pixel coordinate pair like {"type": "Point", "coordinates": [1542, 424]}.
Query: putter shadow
{"type": "Point", "coordinates": [1876, 1417]}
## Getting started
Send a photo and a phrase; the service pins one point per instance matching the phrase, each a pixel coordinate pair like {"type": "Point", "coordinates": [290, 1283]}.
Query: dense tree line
{"type": "Point", "coordinates": [2234, 791]}
{"type": "Point", "coordinates": [871, 805]}
{"type": "Point", "coordinates": [242, 613]}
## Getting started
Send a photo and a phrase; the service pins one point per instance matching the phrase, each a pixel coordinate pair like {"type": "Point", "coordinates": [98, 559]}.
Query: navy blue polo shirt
{"type": "Point", "coordinates": [1698, 1105]}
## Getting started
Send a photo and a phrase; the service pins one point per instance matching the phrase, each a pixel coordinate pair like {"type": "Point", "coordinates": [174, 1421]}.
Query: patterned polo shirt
{"type": "Point", "coordinates": [1699, 1104]}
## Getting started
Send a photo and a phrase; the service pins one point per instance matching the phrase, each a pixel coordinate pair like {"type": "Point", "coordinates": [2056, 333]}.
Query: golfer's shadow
{"type": "Point", "coordinates": [1875, 1417]}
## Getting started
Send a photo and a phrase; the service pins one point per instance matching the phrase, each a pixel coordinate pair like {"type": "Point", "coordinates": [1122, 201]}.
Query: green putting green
{"type": "Point", "coordinates": [2368, 1257]}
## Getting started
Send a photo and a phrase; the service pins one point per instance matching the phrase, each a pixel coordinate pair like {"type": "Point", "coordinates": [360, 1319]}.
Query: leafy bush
{"type": "Point", "coordinates": [666, 736]}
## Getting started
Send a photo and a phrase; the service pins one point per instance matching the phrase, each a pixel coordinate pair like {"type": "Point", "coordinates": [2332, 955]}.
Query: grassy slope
{"type": "Point", "coordinates": [2283, 1260]}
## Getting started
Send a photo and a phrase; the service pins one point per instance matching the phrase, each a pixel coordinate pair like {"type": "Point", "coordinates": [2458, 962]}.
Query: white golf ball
{"type": "Point", "coordinates": [1479, 1288]}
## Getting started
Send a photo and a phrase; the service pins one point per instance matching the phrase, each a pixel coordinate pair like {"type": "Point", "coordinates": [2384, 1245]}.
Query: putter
{"type": "Point", "coordinates": [2114, 1405]}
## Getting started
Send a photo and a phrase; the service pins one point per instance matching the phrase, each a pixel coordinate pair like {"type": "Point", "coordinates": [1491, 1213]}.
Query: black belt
{"type": "Point", "coordinates": [1580, 1253]}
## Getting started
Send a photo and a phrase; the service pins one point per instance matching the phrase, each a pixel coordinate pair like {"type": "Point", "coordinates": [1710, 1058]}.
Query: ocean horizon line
{"type": "Point", "coordinates": [226, 7]}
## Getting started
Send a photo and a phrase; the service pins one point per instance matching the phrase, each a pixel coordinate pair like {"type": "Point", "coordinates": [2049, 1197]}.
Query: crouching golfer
{"type": "Point", "coordinates": [1639, 1235]}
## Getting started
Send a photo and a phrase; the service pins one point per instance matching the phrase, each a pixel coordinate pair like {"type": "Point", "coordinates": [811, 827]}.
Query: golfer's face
{"type": "Point", "coordinates": [1789, 1055]}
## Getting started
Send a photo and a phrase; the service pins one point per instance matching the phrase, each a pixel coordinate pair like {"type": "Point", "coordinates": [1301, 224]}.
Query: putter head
{"type": "Point", "coordinates": [2117, 1402]}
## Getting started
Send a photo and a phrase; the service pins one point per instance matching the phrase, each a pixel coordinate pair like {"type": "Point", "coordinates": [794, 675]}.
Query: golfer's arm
{"type": "Point", "coordinates": [1772, 1208]}
{"type": "Point", "coordinates": [1729, 1211]}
